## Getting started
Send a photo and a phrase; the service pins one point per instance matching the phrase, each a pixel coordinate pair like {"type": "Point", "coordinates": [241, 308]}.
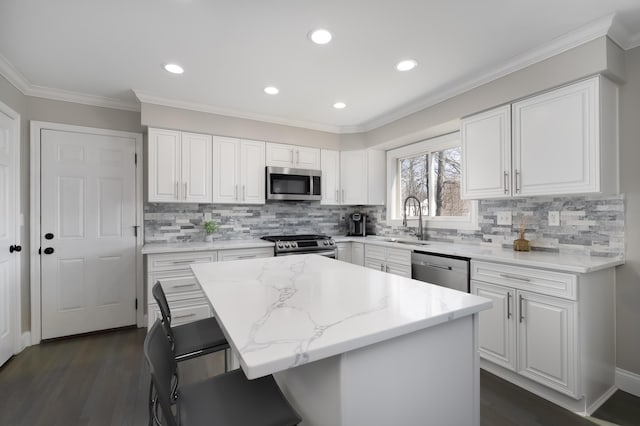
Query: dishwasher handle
{"type": "Point", "coordinates": [433, 265]}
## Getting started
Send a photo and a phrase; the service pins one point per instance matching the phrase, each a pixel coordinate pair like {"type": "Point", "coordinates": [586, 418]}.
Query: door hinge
{"type": "Point", "coordinates": [136, 304]}
{"type": "Point", "coordinates": [135, 230]}
{"type": "Point", "coordinates": [39, 250]}
{"type": "Point", "coordinates": [135, 158]}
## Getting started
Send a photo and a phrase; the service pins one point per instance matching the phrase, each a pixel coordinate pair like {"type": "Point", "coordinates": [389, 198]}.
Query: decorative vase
{"type": "Point", "coordinates": [521, 244]}
{"type": "Point", "coordinates": [208, 237]}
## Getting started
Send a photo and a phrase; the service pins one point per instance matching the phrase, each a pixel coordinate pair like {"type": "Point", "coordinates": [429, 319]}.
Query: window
{"type": "Point", "coordinates": [430, 171]}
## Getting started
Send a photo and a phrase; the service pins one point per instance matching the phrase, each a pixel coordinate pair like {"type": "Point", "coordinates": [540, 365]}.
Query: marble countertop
{"type": "Point", "coordinates": [154, 248]}
{"type": "Point", "coordinates": [281, 312]}
{"type": "Point", "coordinates": [538, 259]}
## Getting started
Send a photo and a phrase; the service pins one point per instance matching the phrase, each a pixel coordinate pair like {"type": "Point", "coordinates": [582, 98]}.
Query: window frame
{"type": "Point", "coordinates": [394, 213]}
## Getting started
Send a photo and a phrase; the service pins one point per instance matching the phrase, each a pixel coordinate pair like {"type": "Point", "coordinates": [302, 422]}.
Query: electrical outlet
{"type": "Point", "coordinates": [503, 218]}
{"type": "Point", "coordinates": [341, 216]}
{"type": "Point", "coordinates": [207, 216]}
{"type": "Point", "coordinates": [554, 218]}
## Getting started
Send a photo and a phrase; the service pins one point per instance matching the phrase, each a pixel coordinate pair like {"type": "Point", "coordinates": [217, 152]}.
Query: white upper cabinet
{"type": "Point", "coordinates": [561, 142]}
{"type": "Point", "coordinates": [292, 156]}
{"type": "Point", "coordinates": [330, 166]}
{"type": "Point", "coordinates": [179, 167]}
{"type": "Point", "coordinates": [239, 173]}
{"type": "Point", "coordinates": [486, 158]}
{"type": "Point", "coordinates": [362, 177]}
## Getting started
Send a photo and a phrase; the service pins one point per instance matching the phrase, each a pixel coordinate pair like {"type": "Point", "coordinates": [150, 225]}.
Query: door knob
{"type": "Point", "coordinates": [15, 248]}
{"type": "Point", "coordinates": [48, 236]}
{"type": "Point", "coordinates": [49, 250]}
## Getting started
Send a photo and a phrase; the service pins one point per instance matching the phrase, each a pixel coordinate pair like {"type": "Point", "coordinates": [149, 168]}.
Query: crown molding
{"type": "Point", "coordinates": [560, 44]}
{"type": "Point", "coordinates": [15, 77]}
{"type": "Point", "coordinates": [227, 112]}
{"type": "Point", "coordinates": [620, 34]}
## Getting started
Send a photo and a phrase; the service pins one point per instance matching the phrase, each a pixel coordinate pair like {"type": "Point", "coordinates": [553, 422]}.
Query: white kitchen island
{"type": "Point", "coordinates": [349, 345]}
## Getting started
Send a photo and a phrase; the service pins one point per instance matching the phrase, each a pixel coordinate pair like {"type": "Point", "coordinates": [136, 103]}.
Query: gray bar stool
{"type": "Point", "coordinates": [229, 399]}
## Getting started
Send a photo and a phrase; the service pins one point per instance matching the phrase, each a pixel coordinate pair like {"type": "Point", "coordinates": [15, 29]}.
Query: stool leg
{"type": "Point", "coordinates": [226, 360]}
{"type": "Point", "coordinates": [151, 403]}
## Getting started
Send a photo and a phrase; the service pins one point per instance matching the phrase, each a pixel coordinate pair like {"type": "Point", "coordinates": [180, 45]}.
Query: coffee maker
{"type": "Point", "coordinates": [358, 224]}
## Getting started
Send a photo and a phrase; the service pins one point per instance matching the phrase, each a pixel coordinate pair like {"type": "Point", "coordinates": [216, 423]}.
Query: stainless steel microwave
{"type": "Point", "coordinates": [293, 184]}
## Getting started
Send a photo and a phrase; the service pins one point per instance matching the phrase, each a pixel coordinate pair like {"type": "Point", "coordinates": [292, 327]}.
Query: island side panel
{"type": "Point", "coordinates": [430, 376]}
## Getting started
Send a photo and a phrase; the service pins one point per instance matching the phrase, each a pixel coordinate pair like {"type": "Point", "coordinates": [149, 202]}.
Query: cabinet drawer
{"type": "Point", "coordinates": [182, 312]}
{"type": "Point", "coordinates": [179, 261]}
{"type": "Point", "coordinates": [398, 269]}
{"type": "Point", "coordinates": [374, 252]}
{"type": "Point", "coordinates": [399, 256]}
{"type": "Point", "coordinates": [175, 282]}
{"type": "Point", "coordinates": [536, 280]}
{"type": "Point", "coordinates": [249, 253]}
{"type": "Point", "coordinates": [374, 264]}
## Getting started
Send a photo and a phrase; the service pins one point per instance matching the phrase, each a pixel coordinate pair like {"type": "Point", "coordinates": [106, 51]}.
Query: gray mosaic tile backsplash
{"type": "Point", "coordinates": [591, 225]}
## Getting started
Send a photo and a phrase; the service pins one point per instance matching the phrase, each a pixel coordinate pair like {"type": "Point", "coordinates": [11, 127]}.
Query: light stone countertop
{"type": "Point", "coordinates": [281, 312]}
{"type": "Point", "coordinates": [537, 259]}
{"type": "Point", "coordinates": [154, 248]}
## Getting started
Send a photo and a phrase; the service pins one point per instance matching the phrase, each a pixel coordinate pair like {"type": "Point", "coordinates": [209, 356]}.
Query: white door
{"type": "Point", "coordinates": [547, 341]}
{"type": "Point", "coordinates": [497, 331]}
{"type": "Point", "coordinates": [164, 165]}
{"type": "Point", "coordinates": [225, 170]}
{"type": "Point", "coordinates": [8, 258]}
{"type": "Point", "coordinates": [330, 166]}
{"type": "Point", "coordinates": [196, 168]}
{"type": "Point", "coordinates": [252, 172]}
{"type": "Point", "coordinates": [87, 236]}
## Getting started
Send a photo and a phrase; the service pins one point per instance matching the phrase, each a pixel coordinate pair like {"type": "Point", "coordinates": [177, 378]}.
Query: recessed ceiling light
{"type": "Point", "coordinates": [174, 68]}
{"type": "Point", "coordinates": [271, 90]}
{"type": "Point", "coordinates": [339, 105]}
{"type": "Point", "coordinates": [320, 36]}
{"type": "Point", "coordinates": [406, 65]}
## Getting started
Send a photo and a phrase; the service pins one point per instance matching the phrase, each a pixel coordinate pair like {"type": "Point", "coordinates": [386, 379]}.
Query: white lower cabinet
{"type": "Point", "coordinates": [387, 259]}
{"type": "Point", "coordinates": [357, 253]}
{"type": "Point", "coordinates": [186, 300]}
{"type": "Point", "coordinates": [542, 331]}
{"type": "Point", "coordinates": [344, 252]}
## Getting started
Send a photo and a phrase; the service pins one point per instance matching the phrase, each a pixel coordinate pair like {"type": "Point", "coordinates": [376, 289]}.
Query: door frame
{"type": "Point", "coordinates": [36, 282]}
{"type": "Point", "coordinates": [18, 343]}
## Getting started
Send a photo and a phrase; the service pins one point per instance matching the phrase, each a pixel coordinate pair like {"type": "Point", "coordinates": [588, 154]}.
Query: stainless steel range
{"type": "Point", "coordinates": [287, 245]}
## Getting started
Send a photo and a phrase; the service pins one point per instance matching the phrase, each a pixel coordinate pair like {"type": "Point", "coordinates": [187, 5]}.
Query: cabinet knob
{"type": "Point", "coordinates": [49, 250]}
{"type": "Point", "coordinates": [15, 248]}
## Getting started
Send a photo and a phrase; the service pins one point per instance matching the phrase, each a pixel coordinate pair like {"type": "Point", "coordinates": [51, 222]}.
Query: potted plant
{"type": "Point", "coordinates": [209, 228]}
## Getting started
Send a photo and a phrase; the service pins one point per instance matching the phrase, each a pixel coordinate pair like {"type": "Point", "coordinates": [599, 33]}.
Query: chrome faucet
{"type": "Point", "coordinates": [420, 233]}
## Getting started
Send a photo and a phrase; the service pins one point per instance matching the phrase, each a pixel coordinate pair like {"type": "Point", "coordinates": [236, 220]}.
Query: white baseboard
{"type": "Point", "coordinates": [628, 381]}
{"type": "Point", "coordinates": [25, 340]}
{"type": "Point", "coordinates": [598, 402]}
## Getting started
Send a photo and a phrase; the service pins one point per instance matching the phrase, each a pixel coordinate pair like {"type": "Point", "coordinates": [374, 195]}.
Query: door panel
{"type": "Point", "coordinates": [88, 203]}
{"type": "Point", "coordinates": [252, 171]}
{"type": "Point", "coordinates": [9, 285]}
{"type": "Point", "coordinates": [196, 167]}
{"type": "Point", "coordinates": [225, 172]}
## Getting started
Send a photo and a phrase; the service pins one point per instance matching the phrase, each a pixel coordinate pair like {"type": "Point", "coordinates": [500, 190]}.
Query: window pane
{"type": "Point", "coordinates": [414, 180]}
{"type": "Point", "coordinates": [446, 183]}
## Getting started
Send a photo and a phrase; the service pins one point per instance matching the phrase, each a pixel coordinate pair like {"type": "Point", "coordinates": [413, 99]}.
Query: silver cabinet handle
{"type": "Point", "coordinates": [184, 316]}
{"type": "Point", "coordinates": [244, 192]}
{"type": "Point", "coordinates": [515, 277]}
{"type": "Point", "coordinates": [235, 193]}
{"type": "Point", "coordinates": [517, 181]}
{"type": "Point", "coordinates": [297, 156]}
{"type": "Point", "coordinates": [185, 190]}
{"type": "Point", "coordinates": [342, 201]}
{"type": "Point", "coordinates": [509, 305]}
{"type": "Point", "coordinates": [177, 192]}
{"type": "Point", "coordinates": [520, 307]}
{"type": "Point", "coordinates": [506, 182]}
{"type": "Point", "coordinates": [183, 285]}
{"type": "Point", "coordinates": [181, 262]}
{"type": "Point", "coordinates": [337, 196]}
{"type": "Point", "coordinates": [246, 256]}
{"type": "Point", "coordinates": [386, 268]}
{"type": "Point", "coordinates": [382, 267]}
{"type": "Point", "coordinates": [292, 162]}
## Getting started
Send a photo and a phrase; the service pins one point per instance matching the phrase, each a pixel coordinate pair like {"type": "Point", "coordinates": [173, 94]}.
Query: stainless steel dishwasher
{"type": "Point", "coordinates": [446, 271]}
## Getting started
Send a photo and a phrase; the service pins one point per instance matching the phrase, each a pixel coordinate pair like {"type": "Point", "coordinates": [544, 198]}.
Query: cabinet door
{"type": "Point", "coordinates": [344, 252]}
{"type": "Point", "coordinates": [226, 159]}
{"type": "Point", "coordinates": [252, 172]}
{"type": "Point", "coordinates": [196, 168]}
{"type": "Point", "coordinates": [330, 166]}
{"type": "Point", "coordinates": [497, 329]}
{"type": "Point", "coordinates": [378, 265]}
{"type": "Point", "coordinates": [279, 155]}
{"type": "Point", "coordinates": [547, 341]}
{"type": "Point", "coordinates": [556, 141]}
{"type": "Point", "coordinates": [307, 158]}
{"type": "Point", "coordinates": [353, 177]}
{"type": "Point", "coordinates": [164, 165]}
{"type": "Point", "coordinates": [486, 154]}
{"type": "Point", "coordinates": [357, 254]}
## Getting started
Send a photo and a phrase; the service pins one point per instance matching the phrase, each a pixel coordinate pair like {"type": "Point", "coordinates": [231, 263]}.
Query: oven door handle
{"type": "Point", "coordinates": [325, 253]}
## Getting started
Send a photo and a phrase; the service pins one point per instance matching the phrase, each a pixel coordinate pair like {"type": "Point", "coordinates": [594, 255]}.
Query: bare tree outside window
{"type": "Point", "coordinates": [434, 178]}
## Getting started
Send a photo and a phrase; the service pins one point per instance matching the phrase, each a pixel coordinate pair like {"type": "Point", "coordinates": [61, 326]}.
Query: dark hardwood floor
{"type": "Point", "coordinates": [102, 379]}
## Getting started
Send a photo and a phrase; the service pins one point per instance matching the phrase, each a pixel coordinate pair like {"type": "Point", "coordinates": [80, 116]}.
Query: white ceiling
{"type": "Point", "coordinates": [100, 51]}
